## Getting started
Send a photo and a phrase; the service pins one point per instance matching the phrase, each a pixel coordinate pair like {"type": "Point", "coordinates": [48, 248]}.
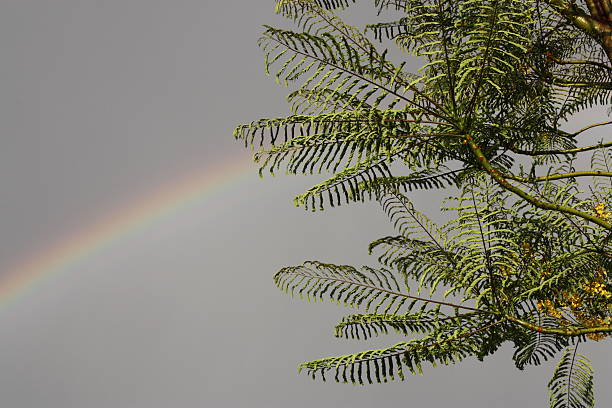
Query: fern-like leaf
{"type": "Point", "coordinates": [446, 345]}
{"type": "Point", "coordinates": [372, 289]}
{"type": "Point", "coordinates": [537, 347]}
{"type": "Point", "coordinates": [364, 326]}
{"type": "Point", "coordinates": [571, 385]}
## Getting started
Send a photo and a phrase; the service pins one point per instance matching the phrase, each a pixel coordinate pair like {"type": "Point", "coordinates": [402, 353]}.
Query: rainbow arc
{"type": "Point", "coordinates": [86, 241]}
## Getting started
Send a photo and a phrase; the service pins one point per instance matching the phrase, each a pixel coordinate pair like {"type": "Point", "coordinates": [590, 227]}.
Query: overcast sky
{"type": "Point", "coordinates": [103, 101]}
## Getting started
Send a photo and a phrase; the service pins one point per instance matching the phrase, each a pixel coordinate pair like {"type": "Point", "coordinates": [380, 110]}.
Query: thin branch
{"type": "Point", "coordinates": [561, 151]}
{"type": "Point", "coordinates": [564, 83]}
{"type": "Point", "coordinates": [571, 331]}
{"type": "Point", "coordinates": [486, 250]}
{"type": "Point", "coordinates": [501, 180]}
{"type": "Point", "coordinates": [596, 173]}
{"type": "Point", "coordinates": [590, 127]}
{"type": "Point", "coordinates": [569, 375]}
{"type": "Point", "coordinates": [581, 62]}
{"type": "Point", "coordinates": [407, 134]}
{"type": "Point", "coordinates": [416, 121]}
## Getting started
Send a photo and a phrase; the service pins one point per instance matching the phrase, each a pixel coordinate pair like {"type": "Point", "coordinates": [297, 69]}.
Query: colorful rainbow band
{"type": "Point", "coordinates": [86, 241]}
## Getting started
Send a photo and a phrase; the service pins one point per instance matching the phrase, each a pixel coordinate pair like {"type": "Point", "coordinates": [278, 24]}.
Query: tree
{"type": "Point", "coordinates": [526, 256]}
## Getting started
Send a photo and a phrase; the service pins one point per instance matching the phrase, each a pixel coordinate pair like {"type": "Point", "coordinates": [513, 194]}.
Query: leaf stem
{"type": "Point", "coordinates": [391, 292]}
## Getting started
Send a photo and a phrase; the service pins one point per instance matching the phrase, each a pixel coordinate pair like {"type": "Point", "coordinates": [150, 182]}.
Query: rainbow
{"type": "Point", "coordinates": [79, 245]}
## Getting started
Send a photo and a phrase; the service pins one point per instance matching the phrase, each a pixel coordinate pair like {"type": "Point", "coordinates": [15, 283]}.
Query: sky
{"type": "Point", "coordinates": [137, 243]}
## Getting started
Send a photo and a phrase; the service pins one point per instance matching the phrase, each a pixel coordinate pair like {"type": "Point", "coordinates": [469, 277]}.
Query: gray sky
{"type": "Point", "coordinates": [101, 102]}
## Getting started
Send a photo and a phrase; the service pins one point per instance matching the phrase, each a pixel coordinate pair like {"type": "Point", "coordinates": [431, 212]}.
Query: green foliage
{"type": "Point", "coordinates": [372, 288]}
{"type": "Point", "coordinates": [526, 255]}
{"type": "Point", "coordinates": [447, 344]}
{"type": "Point", "coordinates": [572, 382]}
{"type": "Point", "coordinates": [536, 347]}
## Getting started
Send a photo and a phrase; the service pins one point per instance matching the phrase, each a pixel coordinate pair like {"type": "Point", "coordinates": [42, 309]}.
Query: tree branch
{"type": "Point", "coordinates": [499, 178]}
{"type": "Point", "coordinates": [596, 173]}
{"type": "Point", "coordinates": [581, 62]}
{"type": "Point", "coordinates": [570, 331]}
{"type": "Point", "coordinates": [596, 26]}
{"type": "Point", "coordinates": [591, 127]}
{"type": "Point", "coordinates": [559, 151]}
